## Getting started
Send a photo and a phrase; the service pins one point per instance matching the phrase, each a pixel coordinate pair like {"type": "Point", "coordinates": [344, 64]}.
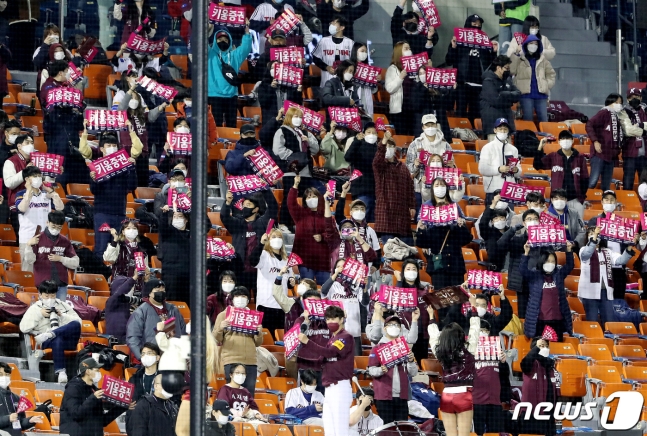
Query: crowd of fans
{"type": "Point", "coordinates": [374, 220]}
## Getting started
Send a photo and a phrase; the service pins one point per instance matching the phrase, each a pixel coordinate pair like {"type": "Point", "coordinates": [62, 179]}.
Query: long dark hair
{"type": "Point", "coordinates": [353, 52]}
{"type": "Point", "coordinates": [220, 294]}
{"type": "Point", "coordinates": [448, 199]}
{"type": "Point", "coordinates": [643, 176]}
{"type": "Point", "coordinates": [531, 21]}
{"type": "Point", "coordinates": [416, 282]}
{"type": "Point", "coordinates": [543, 258]}
{"type": "Point", "coordinates": [451, 345]}
{"type": "Point", "coordinates": [131, 12]}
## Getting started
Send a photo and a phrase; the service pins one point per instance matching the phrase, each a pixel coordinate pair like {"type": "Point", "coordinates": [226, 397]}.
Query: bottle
{"type": "Point", "coordinates": [33, 103]}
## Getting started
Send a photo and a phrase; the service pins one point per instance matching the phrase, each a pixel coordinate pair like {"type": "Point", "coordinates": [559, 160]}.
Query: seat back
{"type": "Point", "coordinates": [621, 328]}
{"type": "Point", "coordinates": [608, 374]}
{"type": "Point", "coordinates": [97, 81]}
{"type": "Point", "coordinates": [96, 282]}
{"type": "Point", "coordinates": [590, 329]}
{"type": "Point", "coordinates": [23, 278]}
{"type": "Point", "coordinates": [572, 372]}
{"type": "Point", "coordinates": [629, 351]}
{"type": "Point", "coordinates": [595, 351]}
{"type": "Point", "coordinates": [282, 384]}
{"type": "Point", "coordinates": [273, 429]}
{"type": "Point", "coordinates": [55, 395]}
{"type": "Point", "coordinates": [562, 348]}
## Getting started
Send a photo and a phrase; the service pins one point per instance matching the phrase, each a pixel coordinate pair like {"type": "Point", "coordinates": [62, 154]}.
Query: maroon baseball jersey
{"type": "Point", "coordinates": [339, 354]}
{"type": "Point", "coordinates": [237, 399]}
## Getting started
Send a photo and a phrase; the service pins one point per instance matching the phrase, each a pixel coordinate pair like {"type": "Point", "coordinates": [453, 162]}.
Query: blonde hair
{"type": "Point", "coordinates": [396, 58]}
{"type": "Point", "coordinates": [268, 248]}
{"type": "Point", "coordinates": [291, 113]}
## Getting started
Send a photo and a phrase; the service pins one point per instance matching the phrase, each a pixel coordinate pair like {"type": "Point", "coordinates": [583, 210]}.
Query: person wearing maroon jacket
{"type": "Point", "coordinates": [240, 400]}
{"type": "Point", "coordinates": [633, 120]}
{"type": "Point", "coordinates": [338, 366]}
{"type": "Point", "coordinates": [12, 174]}
{"type": "Point", "coordinates": [607, 136]}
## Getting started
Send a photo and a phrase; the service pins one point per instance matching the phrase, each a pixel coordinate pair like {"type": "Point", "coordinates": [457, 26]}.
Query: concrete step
{"type": "Point", "coordinates": [557, 10]}
{"type": "Point", "coordinates": [582, 74]}
{"type": "Point", "coordinates": [570, 34]}
{"type": "Point", "coordinates": [587, 109]}
{"type": "Point", "coordinates": [582, 92]}
{"type": "Point", "coordinates": [585, 61]}
{"type": "Point", "coordinates": [568, 22]}
{"type": "Point", "coordinates": [566, 47]}
{"type": "Point", "coordinates": [552, 2]}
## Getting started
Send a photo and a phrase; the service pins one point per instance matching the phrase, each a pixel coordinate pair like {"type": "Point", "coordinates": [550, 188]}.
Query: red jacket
{"type": "Point", "coordinates": [315, 255]}
{"type": "Point", "coordinates": [604, 127]}
{"type": "Point", "coordinates": [556, 163]}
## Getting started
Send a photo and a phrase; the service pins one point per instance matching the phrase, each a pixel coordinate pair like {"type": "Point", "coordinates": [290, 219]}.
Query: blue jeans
{"type": "Point", "coordinates": [631, 166]}
{"type": "Point", "coordinates": [506, 33]}
{"type": "Point", "coordinates": [599, 168]}
{"type": "Point", "coordinates": [61, 294]}
{"type": "Point", "coordinates": [318, 276]}
{"type": "Point", "coordinates": [67, 336]}
{"type": "Point", "coordinates": [538, 105]}
{"type": "Point", "coordinates": [102, 239]}
{"type": "Point", "coordinates": [370, 207]}
{"type": "Point", "coordinates": [603, 306]}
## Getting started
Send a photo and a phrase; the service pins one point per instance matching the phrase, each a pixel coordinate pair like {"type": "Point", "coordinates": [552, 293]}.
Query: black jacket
{"type": "Point", "coordinates": [8, 403]}
{"type": "Point", "coordinates": [334, 94]}
{"type": "Point", "coordinates": [418, 101]}
{"type": "Point", "coordinates": [110, 195]}
{"type": "Point", "coordinates": [269, 100]}
{"type": "Point", "coordinates": [433, 237]}
{"type": "Point", "coordinates": [82, 414]}
{"type": "Point", "coordinates": [63, 126]}
{"type": "Point", "coordinates": [497, 98]}
{"type": "Point", "coordinates": [513, 242]}
{"type": "Point", "coordinates": [417, 42]}
{"type": "Point", "coordinates": [326, 14]}
{"type": "Point", "coordinates": [460, 58]}
{"type": "Point", "coordinates": [360, 155]}
{"type": "Point", "coordinates": [213, 429]}
{"type": "Point", "coordinates": [497, 322]}
{"type": "Point", "coordinates": [153, 416]}
{"type": "Point", "coordinates": [491, 236]}
{"type": "Point", "coordinates": [137, 380]}
{"type": "Point", "coordinates": [174, 246]}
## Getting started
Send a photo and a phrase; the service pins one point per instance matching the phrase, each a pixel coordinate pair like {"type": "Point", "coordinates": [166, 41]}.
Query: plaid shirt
{"type": "Point", "coordinates": [394, 195]}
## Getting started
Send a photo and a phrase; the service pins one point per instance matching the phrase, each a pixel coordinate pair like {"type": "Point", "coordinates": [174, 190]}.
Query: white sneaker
{"type": "Point", "coordinates": [62, 377]}
{"type": "Point", "coordinates": [43, 337]}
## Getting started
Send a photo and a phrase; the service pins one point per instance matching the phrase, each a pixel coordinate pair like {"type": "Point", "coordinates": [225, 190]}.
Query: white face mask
{"type": "Point", "coordinates": [96, 378]}
{"type": "Point", "coordinates": [407, 53]}
{"type": "Point", "coordinates": [538, 209]}
{"type": "Point", "coordinates": [544, 352]}
{"type": "Point", "coordinates": [332, 29]}
{"type": "Point", "coordinates": [5, 381]}
{"type": "Point", "coordinates": [125, 55]}
{"type": "Point", "coordinates": [534, 30]}
{"type": "Point", "coordinates": [49, 302]}
{"type": "Point", "coordinates": [302, 288]}
{"type": "Point", "coordinates": [178, 223]}
{"type": "Point", "coordinates": [340, 134]}
{"type": "Point", "coordinates": [36, 182]}
{"type": "Point", "coordinates": [358, 215]}
{"type": "Point", "coordinates": [431, 131]}
{"type": "Point", "coordinates": [435, 164]}
{"type": "Point", "coordinates": [481, 311]}
{"type": "Point", "coordinates": [133, 104]}
{"type": "Point", "coordinates": [390, 152]}
{"type": "Point", "coordinates": [12, 139]}
{"type": "Point", "coordinates": [370, 139]}
{"type": "Point", "coordinates": [227, 287]}
{"type": "Point", "coordinates": [222, 419]}
{"type": "Point", "coordinates": [608, 207]}
{"type": "Point", "coordinates": [566, 144]}
{"type": "Point", "coordinates": [240, 302]}
{"type": "Point", "coordinates": [501, 205]}
{"type": "Point", "coordinates": [559, 204]}
{"type": "Point", "coordinates": [110, 150]}
{"type": "Point", "coordinates": [239, 378]}
{"type": "Point", "coordinates": [411, 275]}
{"type": "Point", "coordinates": [532, 48]}
{"type": "Point", "coordinates": [393, 331]}
{"type": "Point", "coordinates": [422, 78]}
{"type": "Point", "coordinates": [296, 122]}
{"type": "Point", "coordinates": [59, 55]}
{"type": "Point", "coordinates": [312, 202]}
{"type": "Point", "coordinates": [28, 149]}
{"type": "Point", "coordinates": [338, 3]}
{"type": "Point", "coordinates": [310, 389]}
{"type": "Point", "coordinates": [131, 234]}
{"type": "Point", "coordinates": [165, 394]}
{"type": "Point", "coordinates": [148, 360]}
{"type": "Point", "coordinates": [549, 267]}
{"type": "Point", "coordinates": [616, 107]}
{"type": "Point", "coordinates": [182, 129]}
{"type": "Point", "coordinates": [532, 223]}
{"type": "Point", "coordinates": [499, 224]}
{"type": "Point", "coordinates": [362, 56]}
{"type": "Point", "coordinates": [440, 191]}
{"type": "Point", "coordinates": [276, 243]}
{"type": "Point", "coordinates": [348, 76]}
{"type": "Point", "coordinates": [55, 40]}
{"type": "Point", "coordinates": [502, 136]}
{"type": "Point", "coordinates": [53, 232]}
{"type": "Point", "coordinates": [177, 184]}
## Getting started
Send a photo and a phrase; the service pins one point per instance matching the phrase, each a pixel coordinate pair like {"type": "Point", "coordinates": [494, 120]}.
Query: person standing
{"type": "Point", "coordinates": [404, 27]}
{"type": "Point", "coordinates": [633, 120]}
{"type": "Point", "coordinates": [393, 84]}
{"type": "Point", "coordinates": [511, 16]}
{"type": "Point", "coordinates": [498, 95]}
{"type": "Point", "coordinates": [495, 162]}
{"type": "Point", "coordinates": [360, 156]}
{"type": "Point", "coordinates": [332, 49]}
{"type": "Point", "coordinates": [154, 413]}
{"type": "Point", "coordinates": [12, 175]}
{"type": "Point", "coordinates": [605, 131]}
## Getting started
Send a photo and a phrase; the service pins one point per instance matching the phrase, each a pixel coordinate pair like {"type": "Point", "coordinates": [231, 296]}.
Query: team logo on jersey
{"type": "Point", "coordinates": [339, 344]}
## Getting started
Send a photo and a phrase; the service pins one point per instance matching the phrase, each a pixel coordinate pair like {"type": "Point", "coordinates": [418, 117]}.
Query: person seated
{"type": "Point", "coordinates": [236, 162]}
{"type": "Point", "coordinates": [362, 418]}
{"type": "Point", "coordinates": [305, 402]}
{"type": "Point", "coordinates": [218, 424]}
{"type": "Point", "coordinates": [10, 421]}
{"type": "Point", "coordinates": [239, 398]}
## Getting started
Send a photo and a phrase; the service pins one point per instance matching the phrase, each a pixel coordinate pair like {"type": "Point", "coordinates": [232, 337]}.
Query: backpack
{"type": "Point", "coordinates": [526, 142]}
{"type": "Point", "coordinates": [464, 134]}
{"type": "Point", "coordinates": [80, 212]}
{"type": "Point", "coordinates": [624, 313]}
{"type": "Point", "coordinates": [147, 218]}
{"type": "Point", "coordinates": [90, 264]}
{"type": "Point", "coordinates": [85, 311]}
{"type": "Point", "coordinates": [102, 354]}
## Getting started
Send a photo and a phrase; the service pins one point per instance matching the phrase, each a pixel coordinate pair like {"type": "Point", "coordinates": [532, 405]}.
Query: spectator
{"type": "Point", "coordinates": [436, 161]}
{"type": "Point", "coordinates": [46, 57]}
{"type": "Point", "coordinates": [310, 226]}
{"type": "Point", "coordinates": [340, 8]}
{"type": "Point", "coordinates": [639, 263]}
{"type": "Point", "coordinates": [133, 65]}
{"type": "Point", "coordinates": [547, 305]}
{"type": "Point", "coordinates": [394, 194]}
{"type": "Point", "coordinates": [9, 416]}
{"type": "Point", "coordinates": [150, 317]}
{"type": "Point", "coordinates": [334, 48]}
{"type": "Point", "coordinates": [375, 328]}
{"type": "Point", "coordinates": [633, 120]}
{"type": "Point", "coordinates": [176, 239]}
{"type": "Point", "coordinates": [362, 418]}
{"type": "Point", "coordinates": [360, 155]}
{"type": "Point", "coordinates": [420, 100]}
{"type": "Point", "coordinates": [604, 130]}
{"type": "Point", "coordinates": [53, 324]}
{"type": "Point", "coordinates": [51, 255]}
{"type": "Point", "coordinates": [88, 153]}
{"type": "Point", "coordinates": [393, 84]}
{"type": "Point", "coordinates": [120, 253]}
{"type": "Point", "coordinates": [278, 39]}
{"type": "Point", "coordinates": [123, 299]}
{"type": "Point", "coordinates": [219, 301]}
{"type": "Point", "coordinates": [531, 27]}
{"type": "Point", "coordinates": [12, 129]}
{"type": "Point", "coordinates": [480, 306]}
{"type": "Point", "coordinates": [236, 162]}
{"type": "Point", "coordinates": [534, 201]}
{"type": "Point", "coordinates": [133, 14]}
{"type": "Point", "coordinates": [219, 424]}
{"type": "Point", "coordinates": [223, 96]}
{"type": "Point", "coordinates": [539, 383]}
{"type": "Point", "coordinates": [82, 409]}
{"type": "Point", "coordinates": [570, 219]}
{"type": "Point", "coordinates": [333, 148]}
{"type": "Point", "coordinates": [340, 90]}
{"type": "Point", "coordinates": [498, 95]}
{"type": "Point", "coordinates": [534, 77]}
{"type": "Point", "coordinates": [305, 402]}
{"type": "Point", "coordinates": [168, 159]}
{"type": "Point", "coordinates": [236, 394]}
{"type": "Point", "coordinates": [154, 413]}
{"type": "Point", "coordinates": [511, 15]}
{"type": "Point", "coordinates": [359, 54]}
{"type": "Point", "coordinates": [471, 63]}
{"type": "Point", "coordinates": [263, 16]}
{"type": "Point", "coordinates": [404, 27]}
{"type": "Point", "coordinates": [642, 189]}
{"type": "Point", "coordinates": [33, 207]}
{"type": "Point", "coordinates": [12, 173]}
{"type": "Point", "coordinates": [358, 217]}
{"type": "Point", "coordinates": [272, 96]}
{"type": "Point", "coordinates": [493, 224]}
{"type": "Point", "coordinates": [176, 179]}
{"type": "Point", "coordinates": [238, 348]}
{"type": "Point", "coordinates": [494, 164]}
{"type": "Point", "coordinates": [144, 378]}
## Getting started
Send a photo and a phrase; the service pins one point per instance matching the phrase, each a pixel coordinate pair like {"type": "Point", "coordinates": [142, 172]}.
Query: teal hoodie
{"type": "Point", "coordinates": [218, 86]}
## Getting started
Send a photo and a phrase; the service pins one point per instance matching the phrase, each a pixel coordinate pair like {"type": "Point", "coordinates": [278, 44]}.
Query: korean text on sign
{"type": "Point", "coordinates": [180, 143]}
{"type": "Point", "coordinates": [243, 185]}
{"type": "Point", "coordinates": [218, 249]}
{"type": "Point", "coordinates": [618, 229]}
{"type": "Point", "coordinates": [443, 78]}
{"type": "Point", "coordinates": [165, 92]}
{"type": "Point", "coordinates": [484, 280]}
{"type": "Point", "coordinates": [488, 349]}
{"type": "Point", "coordinates": [451, 176]}
{"type": "Point", "coordinates": [547, 236]}
{"type": "Point", "coordinates": [398, 299]}
{"type": "Point", "coordinates": [76, 75]}
{"type": "Point", "coordinates": [367, 75]}
{"type": "Point", "coordinates": [353, 272]}
{"type": "Point", "coordinates": [393, 353]}
{"type": "Point", "coordinates": [313, 121]}
{"type": "Point", "coordinates": [439, 216]}
{"type": "Point", "coordinates": [243, 320]}
{"type": "Point", "coordinates": [117, 391]}
{"type": "Point", "coordinates": [288, 55]}
{"type": "Point", "coordinates": [472, 38]}
{"type": "Point", "coordinates": [429, 12]}
{"type": "Point", "coordinates": [291, 341]}
{"type": "Point", "coordinates": [346, 117]}
{"type": "Point", "coordinates": [264, 166]}
{"type": "Point", "coordinates": [109, 166]}
{"type": "Point", "coordinates": [64, 96]}
{"type": "Point", "coordinates": [139, 44]}
{"type": "Point", "coordinates": [516, 194]}
{"type": "Point", "coordinates": [49, 164]}
{"type": "Point", "coordinates": [412, 64]}
{"type": "Point", "coordinates": [317, 308]}
{"type": "Point", "coordinates": [102, 119]}
{"type": "Point", "coordinates": [287, 22]}
{"type": "Point", "coordinates": [287, 75]}
{"type": "Point", "coordinates": [229, 16]}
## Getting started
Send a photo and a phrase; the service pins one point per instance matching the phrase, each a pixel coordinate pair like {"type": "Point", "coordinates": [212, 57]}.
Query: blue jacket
{"type": "Point", "coordinates": [534, 88]}
{"type": "Point", "coordinates": [535, 279]}
{"type": "Point", "coordinates": [236, 163]}
{"type": "Point", "coordinates": [110, 195]}
{"type": "Point", "coordinates": [218, 86]}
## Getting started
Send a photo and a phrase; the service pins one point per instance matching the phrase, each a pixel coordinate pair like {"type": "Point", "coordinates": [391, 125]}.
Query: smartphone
{"type": "Point", "coordinates": [182, 190]}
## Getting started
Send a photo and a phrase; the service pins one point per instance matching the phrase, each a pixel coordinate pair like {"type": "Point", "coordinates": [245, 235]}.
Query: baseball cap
{"type": "Point", "coordinates": [278, 33]}
{"type": "Point", "coordinates": [222, 406]}
{"type": "Point", "coordinates": [357, 202]}
{"type": "Point", "coordinates": [150, 285]}
{"type": "Point", "coordinates": [429, 118]}
{"type": "Point", "coordinates": [222, 33]}
{"type": "Point", "coordinates": [609, 192]}
{"type": "Point", "coordinates": [501, 122]}
{"type": "Point", "coordinates": [392, 318]}
{"type": "Point", "coordinates": [475, 17]}
{"type": "Point", "coordinates": [89, 363]}
{"type": "Point", "coordinates": [176, 172]}
{"type": "Point", "coordinates": [247, 128]}
{"type": "Point", "coordinates": [634, 91]}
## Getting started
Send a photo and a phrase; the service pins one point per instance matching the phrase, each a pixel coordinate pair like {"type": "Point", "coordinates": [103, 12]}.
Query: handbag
{"type": "Point", "coordinates": [437, 259]}
{"type": "Point", "coordinates": [230, 75]}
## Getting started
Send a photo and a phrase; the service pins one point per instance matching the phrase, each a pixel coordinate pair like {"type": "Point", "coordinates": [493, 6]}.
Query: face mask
{"type": "Point", "coordinates": [53, 232]}
{"type": "Point", "coordinates": [549, 267]}
{"type": "Point", "coordinates": [125, 55]}
{"type": "Point", "coordinates": [278, 2]}
{"type": "Point", "coordinates": [223, 45]}
{"type": "Point", "coordinates": [566, 144]}
{"type": "Point", "coordinates": [309, 389]}
{"type": "Point", "coordinates": [407, 52]}
{"type": "Point", "coordinates": [296, 122]}
{"type": "Point", "coordinates": [538, 209]}
{"type": "Point", "coordinates": [159, 296]}
{"type": "Point", "coordinates": [110, 150]}
{"type": "Point", "coordinates": [96, 378]}
{"type": "Point", "coordinates": [182, 129]}
{"type": "Point", "coordinates": [276, 243]}
{"type": "Point", "coordinates": [502, 136]}
{"type": "Point", "coordinates": [484, 334]}
{"type": "Point", "coordinates": [411, 275]}
{"type": "Point", "coordinates": [532, 223]}
{"type": "Point", "coordinates": [362, 56]}
{"type": "Point", "coordinates": [36, 182]}
{"type": "Point", "coordinates": [340, 134]}
{"type": "Point", "coordinates": [178, 223]}
{"type": "Point", "coordinates": [131, 234]}
{"type": "Point", "coordinates": [544, 352]}
{"type": "Point", "coordinates": [422, 78]}
{"type": "Point", "coordinates": [187, 103]}
{"type": "Point", "coordinates": [5, 381]}
{"type": "Point", "coordinates": [501, 205]}
{"type": "Point", "coordinates": [12, 139]}
{"type": "Point", "coordinates": [534, 30]}
{"type": "Point", "coordinates": [248, 211]}
{"type": "Point", "coordinates": [393, 331]}
{"type": "Point", "coordinates": [302, 289]}
{"type": "Point", "coordinates": [481, 311]}
{"type": "Point", "coordinates": [499, 224]}
{"type": "Point", "coordinates": [411, 27]}
{"type": "Point", "coordinates": [133, 104]}
{"type": "Point", "coordinates": [436, 164]}
{"type": "Point", "coordinates": [616, 107]}
{"type": "Point", "coordinates": [222, 419]}
{"type": "Point", "coordinates": [148, 361]}
{"type": "Point", "coordinates": [358, 215]}
{"type": "Point", "coordinates": [348, 77]}
{"type": "Point", "coordinates": [179, 184]}
{"type": "Point", "coordinates": [49, 302]}
{"type": "Point", "coordinates": [239, 378]}
{"type": "Point", "coordinates": [240, 302]}
{"type": "Point", "coordinates": [55, 40]}
{"type": "Point", "coordinates": [559, 204]}
{"type": "Point", "coordinates": [227, 287]}
{"type": "Point", "coordinates": [333, 326]}
{"type": "Point", "coordinates": [338, 3]}
{"type": "Point", "coordinates": [390, 152]}
{"type": "Point", "coordinates": [440, 191]}
{"type": "Point", "coordinates": [634, 103]}
{"type": "Point", "coordinates": [608, 207]}
{"type": "Point", "coordinates": [59, 55]}
{"type": "Point", "coordinates": [332, 29]}
{"type": "Point", "coordinates": [312, 202]}
{"type": "Point", "coordinates": [165, 394]}
{"type": "Point", "coordinates": [371, 139]}
{"type": "Point", "coordinates": [28, 149]}
{"type": "Point", "coordinates": [431, 131]}
{"type": "Point", "coordinates": [532, 48]}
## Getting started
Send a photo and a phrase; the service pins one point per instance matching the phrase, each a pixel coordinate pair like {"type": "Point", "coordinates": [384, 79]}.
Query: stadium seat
{"type": "Point", "coordinates": [96, 282]}
{"type": "Point", "coordinates": [21, 278]}
{"type": "Point", "coordinates": [635, 372]}
{"type": "Point", "coordinates": [79, 190]}
{"type": "Point", "coordinates": [281, 384]}
{"type": "Point", "coordinates": [621, 328]}
{"type": "Point", "coordinates": [562, 348]}
{"type": "Point", "coordinates": [629, 351]}
{"type": "Point", "coordinates": [552, 128]}
{"type": "Point", "coordinates": [522, 344]}
{"type": "Point", "coordinates": [44, 426]}
{"type": "Point", "coordinates": [98, 302]}
{"type": "Point", "coordinates": [97, 81]}
{"type": "Point", "coordinates": [84, 236]}
{"type": "Point", "coordinates": [589, 329]}
{"type": "Point", "coordinates": [595, 351]}
{"type": "Point", "coordinates": [244, 429]}
{"type": "Point", "coordinates": [22, 384]}
{"type": "Point", "coordinates": [55, 395]}
{"type": "Point", "coordinates": [268, 408]}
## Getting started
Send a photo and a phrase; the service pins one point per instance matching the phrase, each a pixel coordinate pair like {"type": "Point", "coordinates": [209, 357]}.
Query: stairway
{"type": "Point", "coordinates": [586, 68]}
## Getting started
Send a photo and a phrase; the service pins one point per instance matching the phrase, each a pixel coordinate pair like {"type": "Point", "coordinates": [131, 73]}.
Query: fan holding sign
{"type": "Point", "coordinates": [14, 421]}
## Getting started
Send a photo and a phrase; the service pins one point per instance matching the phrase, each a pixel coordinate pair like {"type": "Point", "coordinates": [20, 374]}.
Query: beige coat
{"type": "Point", "coordinates": [236, 347]}
{"type": "Point", "coordinates": [522, 71]}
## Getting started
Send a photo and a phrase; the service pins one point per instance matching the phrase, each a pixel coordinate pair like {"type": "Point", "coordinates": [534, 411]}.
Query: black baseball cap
{"type": "Point", "coordinates": [247, 128]}
{"type": "Point", "coordinates": [609, 192]}
{"type": "Point", "coordinates": [278, 33]}
{"type": "Point", "coordinates": [222, 406]}
{"type": "Point", "coordinates": [176, 172]}
{"type": "Point", "coordinates": [89, 363]}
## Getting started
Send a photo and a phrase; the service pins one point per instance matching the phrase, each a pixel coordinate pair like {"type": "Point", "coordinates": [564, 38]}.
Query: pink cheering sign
{"type": "Point", "coordinates": [356, 174]}
{"type": "Point", "coordinates": [412, 64]}
{"type": "Point", "coordinates": [618, 229]}
{"type": "Point", "coordinates": [140, 44]}
{"type": "Point", "coordinates": [105, 227]}
{"type": "Point", "coordinates": [101, 120]}
{"type": "Point", "coordinates": [288, 55]}
{"type": "Point", "coordinates": [313, 121]}
{"type": "Point", "coordinates": [393, 353]}
{"type": "Point", "coordinates": [446, 297]}
{"type": "Point", "coordinates": [180, 143]}
{"type": "Point", "coordinates": [219, 250]}
{"type": "Point", "coordinates": [49, 164]}
{"type": "Point", "coordinates": [473, 38]}
{"type": "Point", "coordinates": [443, 78]}
{"type": "Point", "coordinates": [144, 22]}
{"type": "Point", "coordinates": [183, 203]}
{"type": "Point", "coordinates": [116, 391]}
{"type": "Point", "coordinates": [546, 219]}
{"type": "Point", "coordinates": [291, 341]}
{"type": "Point", "coordinates": [484, 280]}
{"type": "Point", "coordinates": [244, 321]}
{"type": "Point", "coordinates": [429, 12]}
{"type": "Point", "coordinates": [367, 75]}
{"type": "Point", "coordinates": [294, 260]}
{"type": "Point", "coordinates": [317, 308]}
{"type": "Point", "coordinates": [398, 299]}
{"type": "Point", "coordinates": [140, 262]}
{"type": "Point", "coordinates": [346, 117]}
{"type": "Point", "coordinates": [520, 37]}
{"type": "Point", "coordinates": [488, 349]}
{"type": "Point", "coordinates": [451, 176]}
{"type": "Point", "coordinates": [64, 96]}
{"type": "Point", "coordinates": [379, 125]}
{"type": "Point", "coordinates": [423, 157]}
{"type": "Point", "coordinates": [353, 272]}
{"type": "Point", "coordinates": [264, 166]}
{"type": "Point", "coordinates": [643, 221]}
{"type": "Point", "coordinates": [24, 404]}
{"type": "Point", "coordinates": [243, 185]}
{"type": "Point", "coordinates": [229, 16]}
{"type": "Point", "coordinates": [165, 92]}
{"type": "Point", "coordinates": [547, 236]}
{"type": "Point", "coordinates": [107, 167]}
{"type": "Point", "coordinates": [288, 76]}
{"type": "Point", "coordinates": [287, 22]}
{"type": "Point", "coordinates": [447, 157]}
{"type": "Point", "coordinates": [76, 75]}
{"type": "Point", "coordinates": [439, 216]}
{"type": "Point", "coordinates": [516, 194]}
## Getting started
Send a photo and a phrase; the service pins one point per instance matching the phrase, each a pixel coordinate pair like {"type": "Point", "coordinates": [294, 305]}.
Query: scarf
{"type": "Point", "coordinates": [635, 120]}
{"type": "Point", "coordinates": [595, 266]}
{"type": "Point", "coordinates": [355, 250]}
{"type": "Point", "coordinates": [615, 129]}
{"type": "Point", "coordinates": [162, 313]}
{"type": "Point", "coordinates": [139, 127]}
{"type": "Point", "coordinates": [125, 263]}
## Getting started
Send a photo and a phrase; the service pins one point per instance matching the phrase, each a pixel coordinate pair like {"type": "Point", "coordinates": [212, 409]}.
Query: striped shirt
{"type": "Point", "coordinates": [332, 53]}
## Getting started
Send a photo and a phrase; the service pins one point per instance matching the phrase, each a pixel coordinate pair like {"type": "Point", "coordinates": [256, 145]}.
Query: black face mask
{"type": "Point", "coordinates": [367, 408]}
{"type": "Point", "coordinates": [248, 141]}
{"type": "Point", "coordinates": [410, 26]}
{"type": "Point", "coordinates": [223, 45]}
{"type": "Point", "coordinates": [476, 27]}
{"type": "Point", "coordinates": [248, 211]}
{"type": "Point", "coordinates": [634, 103]}
{"type": "Point", "coordinates": [159, 296]}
